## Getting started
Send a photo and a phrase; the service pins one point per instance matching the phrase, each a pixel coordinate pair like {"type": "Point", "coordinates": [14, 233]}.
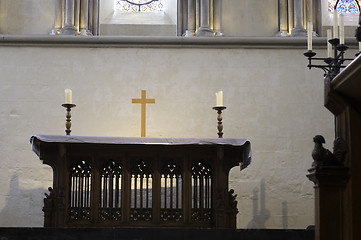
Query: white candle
{"type": "Point", "coordinates": [342, 30]}
{"type": "Point", "coordinates": [359, 46]}
{"type": "Point", "coordinates": [68, 96]}
{"type": "Point", "coordinates": [329, 45]}
{"type": "Point", "coordinates": [219, 97]}
{"type": "Point", "coordinates": [335, 24]}
{"type": "Point", "coordinates": [309, 36]}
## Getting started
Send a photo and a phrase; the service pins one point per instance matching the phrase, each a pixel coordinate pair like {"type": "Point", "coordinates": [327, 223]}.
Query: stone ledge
{"type": "Point", "coordinates": [152, 234]}
{"type": "Point", "coordinates": [164, 42]}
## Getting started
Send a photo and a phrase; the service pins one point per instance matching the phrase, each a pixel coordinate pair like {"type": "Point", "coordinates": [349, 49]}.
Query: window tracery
{"type": "Point", "coordinates": [344, 6]}
{"type": "Point", "coordinates": [138, 5]}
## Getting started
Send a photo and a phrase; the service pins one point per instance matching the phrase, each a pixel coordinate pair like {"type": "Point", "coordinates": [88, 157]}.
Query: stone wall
{"type": "Point", "coordinates": [26, 16]}
{"type": "Point", "coordinates": [271, 97]}
{"type": "Point", "coordinates": [246, 18]}
{"type": "Point", "coordinates": [250, 18]}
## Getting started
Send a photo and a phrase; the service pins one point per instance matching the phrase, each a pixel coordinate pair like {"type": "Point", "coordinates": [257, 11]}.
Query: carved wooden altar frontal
{"type": "Point", "coordinates": [129, 182]}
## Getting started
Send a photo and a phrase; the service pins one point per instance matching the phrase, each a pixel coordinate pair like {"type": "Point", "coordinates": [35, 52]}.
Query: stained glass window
{"type": "Point", "coordinates": [344, 6]}
{"type": "Point", "coordinates": [138, 5]}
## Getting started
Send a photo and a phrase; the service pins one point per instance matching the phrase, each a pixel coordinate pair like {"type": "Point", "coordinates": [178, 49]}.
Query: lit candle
{"type": "Point", "coordinates": [342, 30]}
{"type": "Point", "coordinates": [309, 36]}
{"type": "Point", "coordinates": [329, 45]}
{"type": "Point", "coordinates": [68, 96]}
{"type": "Point", "coordinates": [219, 97]}
{"type": "Point", "coordinates": [335, 24]}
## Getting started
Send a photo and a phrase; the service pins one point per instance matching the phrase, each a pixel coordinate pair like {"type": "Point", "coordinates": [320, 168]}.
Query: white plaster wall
{"type": "Point", "coordinates": [138, 24]}
{"type": "Point", "coordinates": [106, 9]}
{"type": "Point", "coordinates": [170, 8]}
{"type": "Point", "coordinates": [271, 97]}
{"type": "Point", "coordinates": [26, 16]}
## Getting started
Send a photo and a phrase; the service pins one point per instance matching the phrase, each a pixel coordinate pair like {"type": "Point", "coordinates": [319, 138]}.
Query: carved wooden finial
{"type": "Point", "coordinates": [324, 157]}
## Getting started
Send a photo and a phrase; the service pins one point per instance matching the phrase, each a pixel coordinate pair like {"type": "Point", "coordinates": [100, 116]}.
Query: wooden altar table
{"type": "Point", "coordinates": [128, 181]}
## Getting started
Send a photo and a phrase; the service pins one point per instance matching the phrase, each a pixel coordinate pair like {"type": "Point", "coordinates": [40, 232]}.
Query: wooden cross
{"type": "Point", "coordinates": [143, 101]}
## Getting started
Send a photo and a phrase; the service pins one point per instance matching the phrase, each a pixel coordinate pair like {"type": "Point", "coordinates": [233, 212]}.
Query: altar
{"type": "Point", "coordinates": [131, 181]}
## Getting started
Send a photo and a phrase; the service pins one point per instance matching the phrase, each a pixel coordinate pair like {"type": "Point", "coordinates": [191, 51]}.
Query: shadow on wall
{"type": "Point", "coordinates": [261, 216]}
{"type": "Point", "coordinates": [284, 215]}
{"type": "Point", "coordinates": [23, 207]}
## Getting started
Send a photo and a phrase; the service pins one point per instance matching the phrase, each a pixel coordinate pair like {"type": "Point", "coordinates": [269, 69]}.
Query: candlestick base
{"type": "Point", "coordinates": [328, 60]}
{"type": "Point", "coordinates": [334, 41]}
{"type": "Point", "coordinates": [219, 118]}
{"type": "Point", "coordinates": [309, 54]}
{"type": "Point", "coordinates": [342, 47]}
{"type": "Point", "coordinates": [68, 107]}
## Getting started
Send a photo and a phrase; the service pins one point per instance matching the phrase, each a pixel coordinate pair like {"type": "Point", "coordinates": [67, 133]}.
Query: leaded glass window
{"type": "Point", "coordinates": [138, 5]}
{"type": "Point", "coordinates": [344, 6]}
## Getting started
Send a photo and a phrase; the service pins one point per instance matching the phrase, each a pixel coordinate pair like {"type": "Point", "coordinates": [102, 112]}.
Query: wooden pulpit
{"type": "Point", "coordinates": [337, 188]}
{"type": "Point", "coordinates": [125, 181]}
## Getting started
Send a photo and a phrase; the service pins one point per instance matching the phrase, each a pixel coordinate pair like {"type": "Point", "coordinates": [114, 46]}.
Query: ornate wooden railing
{"type": "Point", "coordinates": [140, 181]}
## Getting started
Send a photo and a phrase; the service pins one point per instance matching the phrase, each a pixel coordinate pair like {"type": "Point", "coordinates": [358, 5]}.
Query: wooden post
{"type": "Point", "coordinates": [330, 183]}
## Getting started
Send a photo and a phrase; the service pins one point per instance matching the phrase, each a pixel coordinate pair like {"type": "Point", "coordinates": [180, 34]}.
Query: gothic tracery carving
{"type": "Point", "coordinates": [171, 192]}
{"type": "Point", "coordinates": [202, 191]}
{"type": "Point", "coordinates": [111, 191]}
{"type": "Point", "coordinates": [80, 190]}
{"type": "Point", "coordinates": [141, 191]}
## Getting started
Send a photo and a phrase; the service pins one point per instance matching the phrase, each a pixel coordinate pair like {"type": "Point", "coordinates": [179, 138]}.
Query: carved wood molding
{"type": "Point", "coordinates": [344, 90]}
{"type": "Point", "coordinates": [333, 101]}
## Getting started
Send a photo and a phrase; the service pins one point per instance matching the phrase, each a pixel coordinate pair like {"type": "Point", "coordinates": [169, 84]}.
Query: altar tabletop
{"type": "Point", "coordinates": [241, 143]}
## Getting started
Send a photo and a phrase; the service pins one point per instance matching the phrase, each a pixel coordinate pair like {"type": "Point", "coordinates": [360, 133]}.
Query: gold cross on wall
{"type": "Point", "coordinates": [143, 101]}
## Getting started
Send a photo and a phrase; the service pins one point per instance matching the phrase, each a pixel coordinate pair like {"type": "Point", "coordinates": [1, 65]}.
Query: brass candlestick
{"type": "Point", "coordinates": [68, 107]}
{"type": "Point", "coordinates": [219, 118]}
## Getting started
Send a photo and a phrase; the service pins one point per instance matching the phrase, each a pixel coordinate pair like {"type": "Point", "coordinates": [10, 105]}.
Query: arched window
{"type": "Point", "coordinates": [139, 17]}
{"type": "Point", "coordinates": [344, 6]}
{"type": "Point", "coordinates": [138, 5]}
